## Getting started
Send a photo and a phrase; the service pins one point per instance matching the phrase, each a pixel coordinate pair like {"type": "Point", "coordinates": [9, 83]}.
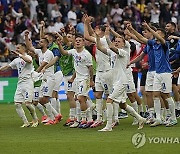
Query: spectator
{"type": "Point", "coordinates": [104, 8]}
{"type": "Point", "coordinates": [51, 27]}
{"type": "Point", "coordinates": [55, 12]}
{"type": "Point", "coordinates": [33, 10]}
{"type": "Point", "coordinates": [50, 5]}
{"type": "Point", "coordinates": [146, 16]}
{"type": "Point", "coordinates": [72, 17]}
{"type": "Point", "coordinates": [80, 26]}
{"type": "Point", "coordinates": [155, 12]}
{"type": "Point", "coordinates": [58, 24]}
{"type": "Point", "coordinates": [116, 13]}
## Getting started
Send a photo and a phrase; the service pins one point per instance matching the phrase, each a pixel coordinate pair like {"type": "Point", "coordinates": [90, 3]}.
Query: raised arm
{"type": "Point", "coordinates": [138, 35]}
{"type": "Point", "coordinates": [29, 42]}
{"type": "Point", "coordinates": [98, 44]}
{"type": "Point", "coordinates": [127, 32]}
{"type": "Point", "coordinates": [64, 37]}
{"type": "Point", "coordinates": [42, 29]}
{"type": "Point", "coordinates": [61, 49]}
{"type": "Point", "coordinates": [156, 35]}
{"type": "Point", "coordinates": [86, 31]}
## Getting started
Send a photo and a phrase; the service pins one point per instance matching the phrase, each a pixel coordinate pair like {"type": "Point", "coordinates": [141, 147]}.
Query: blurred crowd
{"type": "Point", "coordinates": [18, 15]}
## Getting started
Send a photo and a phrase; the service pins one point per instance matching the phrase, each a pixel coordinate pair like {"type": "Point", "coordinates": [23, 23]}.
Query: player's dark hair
{"type": "Point", "coordinates": [46, 40]}
{"type": "Point", "coordinates": [51, 35]}
{"type": "Point", "coordinates": [163, 31]}
{"type": "Point", "coordinates": [172, 23]}
{"type": "Point", "coordinates": [79, 35]}
{"type": "Point", "coordinates": [102, 28]}
{"type": "Point", "coordinates": [23, 44]}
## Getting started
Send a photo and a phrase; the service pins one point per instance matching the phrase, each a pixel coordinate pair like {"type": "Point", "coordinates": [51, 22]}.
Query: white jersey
{"type": "Point", "coordinates": [81, 62]}
{"type": "Point", "coordinates": [127, 48]}
{"type": "Point", "coordinates": [119, 65]}
{"type": "Point", "coordinates": [24, 69]}
{"type": "Point", "coordinates": [102, 60]}
{"type": "Point", "coordinates": [46, 57]}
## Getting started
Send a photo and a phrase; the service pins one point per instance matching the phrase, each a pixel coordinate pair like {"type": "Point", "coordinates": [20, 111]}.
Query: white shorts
{"type": "Point", "coordinates": [58, 80]}
{"type": "Point", "coordinates": [47, 87]}
{"type": "Point", "coordinates": [163, 82]}
{"type": "Point", "coordinates": [130, 87]}
{"type": "Point", "coordinates": [104, 81]}
{"type": "Point", "coordinates": [118, 93]}
{"type": "Point", "coordinates": [83, 87]}
{"type": "Point", "coordinates": [36, 93]}
{"type": "Point", "coordinates": [24, 91]}
{"type": "Point", "coordinates": [149, 81]}
{"type": "Point", "coordinates": [69, 86]}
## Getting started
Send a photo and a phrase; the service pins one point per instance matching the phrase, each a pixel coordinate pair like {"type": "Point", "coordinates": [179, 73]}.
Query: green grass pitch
{"type": "Point", "coordinates": [58, 139]}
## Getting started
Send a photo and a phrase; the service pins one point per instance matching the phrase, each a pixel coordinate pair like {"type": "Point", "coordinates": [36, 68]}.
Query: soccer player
{"type": "Point", "coordinates": [45, 56]}
{"type": "Point", "coordinates": [103, 82]}
{"type": "Point", "coordinates": [83, 71]}
{"type": "Point", "coordinates": [52, 46]}
{"type": "Point", "coordinates": [24, 91]}
{"type": "Point", "coordinates": [66, 64]}
{"type": "Point", "coordinates": [175, 63]}
{"type": "Point", "coordinates": [162, 78]}
{"type": "Point", "coordinates": [120, 58]}
{"type": "Point", "coordinates": [151, 71]}
{"type": "Point", "coordinates": [37, 85]}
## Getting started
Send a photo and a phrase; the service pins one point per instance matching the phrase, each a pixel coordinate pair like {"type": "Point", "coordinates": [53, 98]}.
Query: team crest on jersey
{"type": "Point", "coordinates": [77, 59]}
{"type": "Point", "coordinates": [22, 63]}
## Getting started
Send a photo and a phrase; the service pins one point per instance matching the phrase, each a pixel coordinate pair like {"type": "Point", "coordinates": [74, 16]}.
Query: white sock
{"type": "Point", "coordinates": [140, 108]}
{"type": "Point", "coordinates": [146, 108]}
{"type": "Point", "coordinates": [116, 111]}
{"type": "Point", "coordinates": [133, 112]}
{"type": "Point", "coordinates": [109, 115]}
{"type": "Point", "coordinates": [32, 111]}
{"type": "Point", "coordinates": [171, 107]}
{"type": "Point", "coordinates": [89, 114]}
{"type": "Point", "coordinates": [83, 115]}
{"type": "Point", "coordinates": [41, 109]}
{"type": "Point", "coordinates": [151, 112]}
{"type": "Point", "coordinates": [162, 112]}
{"type": "Point", "coordinates": [58, 106]}
{"type": "Point", "coordinates": [72, 113]}
{"type": "Point", "coordinates": [99, 103]}
{"type": "Point", "coordinates": [49, 110]}
{"type": "Point", "coordinates": [21, 112]}
{"type": "Point", "coordinates": [104, 115]}
{"type": "Point", "coordinates": [168, 111]}
{"type": "Point", "coordinates": [135, 106]}
{"type": "Point", "coordinates": [89, 103]}
{"type": "Point", "coordinates": [178, 105]}
{"type": "Point", "coordinates": [53, 102]}
{"type": "Point", "coordinates": [157, 108]}
{"type": "Point", "coordinates": [123, 111]}
{"type": "Point", "coordinates": [78, 111]}
{"type": "Point", "coordinates": [55, 113]}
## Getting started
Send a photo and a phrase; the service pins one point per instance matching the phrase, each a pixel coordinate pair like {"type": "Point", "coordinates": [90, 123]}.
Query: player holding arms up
{"type": "Point", "coordinates": [84, 72]}
{"type": "Point", "coordinates": [45, 56]}
{"type": "Point", "coordinates": [25, 87]}
{"type": "Point", "coordinates": [118, 95]}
